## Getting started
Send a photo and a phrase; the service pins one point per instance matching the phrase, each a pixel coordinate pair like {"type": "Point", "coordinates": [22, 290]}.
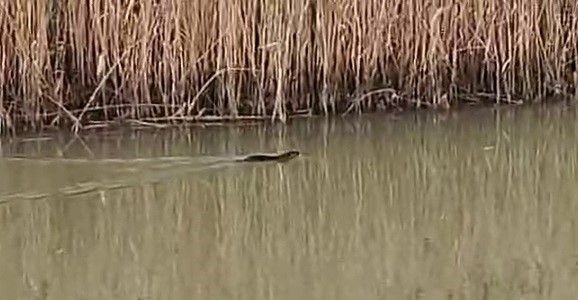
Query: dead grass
{"type": "Point", "coordinates": [71, 62]}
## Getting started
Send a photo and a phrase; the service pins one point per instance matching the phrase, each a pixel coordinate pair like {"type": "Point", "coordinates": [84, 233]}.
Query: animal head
{"type": "Point", "coordinates": [291, 154]}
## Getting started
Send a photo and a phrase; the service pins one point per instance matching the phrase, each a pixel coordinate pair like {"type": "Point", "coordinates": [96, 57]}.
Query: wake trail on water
{"type": "Point", "coordinates": [180, 166]}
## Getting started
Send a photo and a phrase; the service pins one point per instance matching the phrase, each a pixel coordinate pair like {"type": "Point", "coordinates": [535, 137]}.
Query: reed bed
{"type": "Point", "coordinates": [73, 62]}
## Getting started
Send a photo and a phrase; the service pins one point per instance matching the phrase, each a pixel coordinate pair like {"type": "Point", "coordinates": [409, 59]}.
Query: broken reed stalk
{"type": "Point", "coordinates": [168, 60]}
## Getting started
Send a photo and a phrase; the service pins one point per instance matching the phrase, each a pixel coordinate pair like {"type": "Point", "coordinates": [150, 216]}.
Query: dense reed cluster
{"type": "Point", "coordinates": [79, 62]}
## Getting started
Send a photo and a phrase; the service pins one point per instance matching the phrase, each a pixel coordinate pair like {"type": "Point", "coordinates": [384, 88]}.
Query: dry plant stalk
{"type": "Point", "coordinates": [72, 61]}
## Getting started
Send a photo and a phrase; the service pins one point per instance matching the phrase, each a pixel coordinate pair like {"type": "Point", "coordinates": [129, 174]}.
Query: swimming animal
{"type": "Point", "coordinates": [282, 157]}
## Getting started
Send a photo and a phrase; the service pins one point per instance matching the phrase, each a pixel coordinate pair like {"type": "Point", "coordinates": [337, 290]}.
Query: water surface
{"type": "Point", "coordinates": [475, 204]}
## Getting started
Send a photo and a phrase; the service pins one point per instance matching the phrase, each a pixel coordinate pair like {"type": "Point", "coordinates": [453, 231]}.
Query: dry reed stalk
{"type": "Point", "coordinates": [150, 59]}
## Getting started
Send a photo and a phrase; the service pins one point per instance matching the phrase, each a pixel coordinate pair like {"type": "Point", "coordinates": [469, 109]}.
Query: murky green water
{"type": "Point", "coordinates": [479, 204]}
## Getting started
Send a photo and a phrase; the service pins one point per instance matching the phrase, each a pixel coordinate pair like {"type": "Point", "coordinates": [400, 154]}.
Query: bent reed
{"type": "Point", "coordinates": [85, 63]}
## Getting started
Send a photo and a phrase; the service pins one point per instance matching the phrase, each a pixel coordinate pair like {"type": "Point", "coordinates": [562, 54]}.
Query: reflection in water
{"type": "Point", "coordinates": [476, 204]}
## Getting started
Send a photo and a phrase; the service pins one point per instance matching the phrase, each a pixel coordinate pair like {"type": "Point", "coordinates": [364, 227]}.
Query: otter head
{"type": "Point", "coordinates": [289, 155]}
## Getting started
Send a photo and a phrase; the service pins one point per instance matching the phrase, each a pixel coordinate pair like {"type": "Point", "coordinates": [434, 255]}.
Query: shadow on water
{"type": "Point", "coordinates": [475, 204]}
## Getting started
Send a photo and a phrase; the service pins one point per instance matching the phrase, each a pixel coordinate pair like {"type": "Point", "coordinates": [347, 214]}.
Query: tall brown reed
{"type": "Point", "coordinates": [75, 62]}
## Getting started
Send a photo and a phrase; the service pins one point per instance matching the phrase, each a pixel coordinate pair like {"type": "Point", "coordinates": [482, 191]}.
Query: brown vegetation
{"type": "Point", "coordinates": [75, 62]}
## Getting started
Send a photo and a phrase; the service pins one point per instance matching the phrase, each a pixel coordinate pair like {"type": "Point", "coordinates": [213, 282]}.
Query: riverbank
{"type": "Point", "coordinates": [75, 64]}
